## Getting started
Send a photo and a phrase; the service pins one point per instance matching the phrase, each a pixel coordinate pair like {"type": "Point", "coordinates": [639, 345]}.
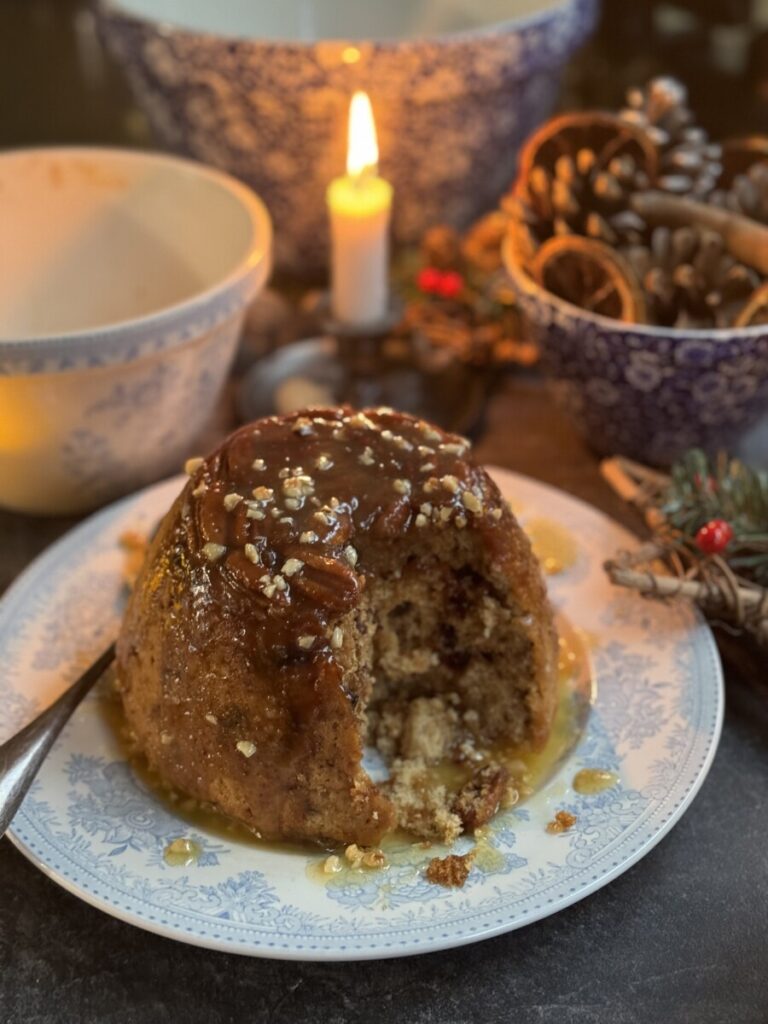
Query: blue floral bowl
{"type": "Point", "coordinates": [256, 91]}
{"type": "Point", "coordinates": [124, 281]}
{"type": "Point", "coordinates": [646, 392]}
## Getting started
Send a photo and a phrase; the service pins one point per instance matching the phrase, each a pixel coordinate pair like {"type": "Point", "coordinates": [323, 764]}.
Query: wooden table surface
{"type": "Point", "coordinates": [682, 936]}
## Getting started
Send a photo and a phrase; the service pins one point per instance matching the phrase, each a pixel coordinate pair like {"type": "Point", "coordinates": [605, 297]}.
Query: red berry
{"type": "Point", "coordinates": [451, 284]}
{"type": "Point", "coordinates": [428, 280]}
{"type": "Point", "coordinates": [714, 537]}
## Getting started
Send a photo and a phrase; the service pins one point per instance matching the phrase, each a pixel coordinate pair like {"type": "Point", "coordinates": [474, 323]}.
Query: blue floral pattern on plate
{"type": "Point", "coordinates": [97, 830]}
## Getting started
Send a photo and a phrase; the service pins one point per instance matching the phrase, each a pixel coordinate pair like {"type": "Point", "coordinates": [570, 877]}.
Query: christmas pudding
{"type": "Point", "coordinates": [330, 579]}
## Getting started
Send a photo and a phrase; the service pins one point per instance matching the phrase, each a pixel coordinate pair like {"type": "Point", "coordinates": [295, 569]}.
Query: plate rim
{"type": "Point", "coordinates": [700, 631]}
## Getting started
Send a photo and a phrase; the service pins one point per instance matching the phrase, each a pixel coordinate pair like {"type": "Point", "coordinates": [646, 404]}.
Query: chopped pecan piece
{"type": "Point", "coordinates": [327, 582]}
{"type": "Point", "coordinates": [479, 799]}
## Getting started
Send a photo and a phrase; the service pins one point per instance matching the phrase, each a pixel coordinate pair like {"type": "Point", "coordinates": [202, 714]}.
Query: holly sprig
{"type": "Point", "coordinates": [457, 297]}
{"type": "Point", "coordinates": [719, 507]}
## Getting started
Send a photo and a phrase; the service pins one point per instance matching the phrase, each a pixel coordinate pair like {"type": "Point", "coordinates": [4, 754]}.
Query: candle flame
{"type": "Point", "coordinates": [362, 147]}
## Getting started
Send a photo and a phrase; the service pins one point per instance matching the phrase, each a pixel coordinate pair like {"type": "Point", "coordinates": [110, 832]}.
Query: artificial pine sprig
{"type": "Point", "coordinates": [709, 520]}
{"type": "Point", "coordinates": [724, 491]}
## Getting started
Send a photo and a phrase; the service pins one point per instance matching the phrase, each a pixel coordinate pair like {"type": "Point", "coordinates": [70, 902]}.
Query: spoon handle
{"type": "Point", "coordinates": [22, 755]}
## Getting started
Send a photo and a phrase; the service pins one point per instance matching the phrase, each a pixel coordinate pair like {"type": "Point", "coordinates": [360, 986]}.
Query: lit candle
{"type": "Point", "coordinates": [359, 206]}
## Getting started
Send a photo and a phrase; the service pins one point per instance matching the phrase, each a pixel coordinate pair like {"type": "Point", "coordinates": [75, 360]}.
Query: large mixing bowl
{"type": "Point", "coordinates": [262, 90]}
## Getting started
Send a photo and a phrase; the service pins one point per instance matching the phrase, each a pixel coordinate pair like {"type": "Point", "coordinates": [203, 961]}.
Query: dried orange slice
{"type": "Point", "coordinates": [755, 312]}
{"type": "Point", "coordinates": [590, 275]}
{"type": "Point", "coordinates": [604, 135]}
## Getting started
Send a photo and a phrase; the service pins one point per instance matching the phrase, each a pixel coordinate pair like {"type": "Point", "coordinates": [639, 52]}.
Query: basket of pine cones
{"type": "Point", "coordinates": [637, 250]}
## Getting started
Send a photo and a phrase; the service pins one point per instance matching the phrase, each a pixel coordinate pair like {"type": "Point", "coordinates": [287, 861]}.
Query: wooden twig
{"type": "Point", "coordinates": [613, 473]}
{"type": "Point", "coordinates": [666, 585]}
{"type": "Point", "coordinates": [636, 484]}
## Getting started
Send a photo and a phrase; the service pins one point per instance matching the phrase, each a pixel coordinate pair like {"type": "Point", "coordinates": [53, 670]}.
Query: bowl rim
{"type": "Point", "coordinates": [111, 8]}
{"type": "Point", "coordinates": [522, 280]}
{"type": "Point", "coordinates": [248, 274]}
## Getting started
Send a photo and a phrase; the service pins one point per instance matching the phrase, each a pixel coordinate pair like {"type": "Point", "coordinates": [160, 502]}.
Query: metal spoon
{"type": "Point", "coordinates": [22, 755]}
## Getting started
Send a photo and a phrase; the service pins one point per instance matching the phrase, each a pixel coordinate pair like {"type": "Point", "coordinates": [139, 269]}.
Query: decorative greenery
{"type": "Point", "coordinates": [701, 491]}
{"type": "Point", "coordinates": [709, 520]}
{"type": "Point", "coordinates": [457, 298]}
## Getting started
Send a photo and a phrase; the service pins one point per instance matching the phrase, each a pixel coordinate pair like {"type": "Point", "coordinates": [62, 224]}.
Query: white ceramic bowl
{"type": "Point", "coordinates": [124, 280]}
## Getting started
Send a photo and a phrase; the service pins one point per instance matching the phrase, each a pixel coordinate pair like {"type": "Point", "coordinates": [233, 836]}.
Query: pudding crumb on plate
{"type": "Point", "coordinates": [451, 871]}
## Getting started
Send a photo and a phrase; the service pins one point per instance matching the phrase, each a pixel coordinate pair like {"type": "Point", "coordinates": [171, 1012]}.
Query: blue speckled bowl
{"type": "Point", "coordinates": [451, 108]}
{"type": "Point", "coordinates": [646, 392]}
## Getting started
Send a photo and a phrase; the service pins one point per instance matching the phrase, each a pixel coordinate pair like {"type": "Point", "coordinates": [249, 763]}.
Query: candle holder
{"type": "Point", "coordinates": [366, 366]}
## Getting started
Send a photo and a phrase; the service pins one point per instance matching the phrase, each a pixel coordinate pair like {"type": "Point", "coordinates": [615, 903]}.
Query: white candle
{"type": "Point", "coordinates": [359, 206]}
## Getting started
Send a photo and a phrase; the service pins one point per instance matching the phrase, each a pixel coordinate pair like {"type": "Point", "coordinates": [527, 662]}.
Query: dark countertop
{"type": "Point", "coordinates": [682, 936]}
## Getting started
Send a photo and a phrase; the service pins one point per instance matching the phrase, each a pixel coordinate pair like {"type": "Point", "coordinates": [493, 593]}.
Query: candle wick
{"type": "Point", "coordinates": [365, 175]}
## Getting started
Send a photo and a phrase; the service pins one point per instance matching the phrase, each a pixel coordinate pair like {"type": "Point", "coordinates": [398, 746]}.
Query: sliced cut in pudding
{"type": "Point", "coordinates": [328, 579]}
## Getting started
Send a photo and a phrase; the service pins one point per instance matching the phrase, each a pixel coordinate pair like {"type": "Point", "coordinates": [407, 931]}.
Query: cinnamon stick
{"type": "Point", "coordinates": [745, 239]}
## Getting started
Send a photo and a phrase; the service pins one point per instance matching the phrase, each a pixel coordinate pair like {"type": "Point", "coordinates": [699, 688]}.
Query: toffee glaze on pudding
{"type": "Point", "coordinates": [325, 579]}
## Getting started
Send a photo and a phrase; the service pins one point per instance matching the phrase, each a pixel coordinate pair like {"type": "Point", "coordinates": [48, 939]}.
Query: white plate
{"type": "Point", "coordinates": [97, 831]}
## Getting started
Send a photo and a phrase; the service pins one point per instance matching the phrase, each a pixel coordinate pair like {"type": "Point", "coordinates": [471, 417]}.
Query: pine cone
{"type": "Point", "coordinates": [577, 176]}
{"type": "Point", "coordinates": [689, 278]}
{"type": "Point", "coordinates": [580, 174]}
{"type": "Point", "coordinates": [689, 163]}
{"type": "Point", "coordinates": [747, 194]}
